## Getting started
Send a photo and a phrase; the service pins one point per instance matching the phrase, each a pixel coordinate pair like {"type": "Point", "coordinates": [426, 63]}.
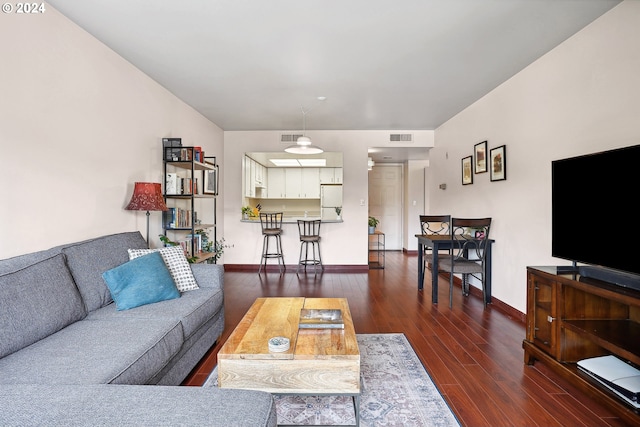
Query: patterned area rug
{"type": "Point", "coordinates": [396, 391]}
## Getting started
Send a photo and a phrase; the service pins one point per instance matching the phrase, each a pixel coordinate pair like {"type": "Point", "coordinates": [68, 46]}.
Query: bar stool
{"type": "Point", "coordinates": [271, 227]}
{"type": "Point", "coordinates": [309, 234]}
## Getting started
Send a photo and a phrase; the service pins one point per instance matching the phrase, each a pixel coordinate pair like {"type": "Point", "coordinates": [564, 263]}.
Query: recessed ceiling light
{"type": "Point", "coordinates": [322, 98]}
{"type": "Point", "coordinates": [312, 162]}
{"type": "Point", "coordinates": [285, 162]}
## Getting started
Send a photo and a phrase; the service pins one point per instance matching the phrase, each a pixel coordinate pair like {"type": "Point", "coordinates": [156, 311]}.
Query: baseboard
{"type": "Point", "coordinates": [410, 252]}
{"type": "Point", "coordinates": [273, 268]}
{"type": "Point", "coordinates": [496, 304]}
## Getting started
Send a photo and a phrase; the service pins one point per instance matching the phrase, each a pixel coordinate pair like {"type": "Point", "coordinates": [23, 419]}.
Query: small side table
{"type": "Point", "coordinates": [376, 250]}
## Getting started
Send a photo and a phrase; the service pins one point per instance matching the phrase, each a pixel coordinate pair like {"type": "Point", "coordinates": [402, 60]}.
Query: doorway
{"type": "Point", "coordinates": [385, 201]}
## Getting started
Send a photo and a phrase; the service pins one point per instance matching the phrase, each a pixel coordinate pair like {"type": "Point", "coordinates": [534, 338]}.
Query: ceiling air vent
{"type": "Point", "coordinates": [401, 137]}
{"type": "Point", "coordinates": [289, 138]}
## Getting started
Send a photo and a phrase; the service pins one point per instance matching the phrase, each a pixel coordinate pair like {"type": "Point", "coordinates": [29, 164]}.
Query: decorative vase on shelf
{"type": "Point", "coordinates": [372, 230]}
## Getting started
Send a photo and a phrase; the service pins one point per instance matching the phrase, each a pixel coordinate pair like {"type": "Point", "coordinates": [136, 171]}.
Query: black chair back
{"type": "Point", "coordinates": [435, 224]}
{"type": "Point", "coordinates": [474, 234]}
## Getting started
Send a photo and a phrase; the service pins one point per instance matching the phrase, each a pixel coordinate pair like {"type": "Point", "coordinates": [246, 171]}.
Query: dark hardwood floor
{"type": "Point", "coordinates": [474, 356]}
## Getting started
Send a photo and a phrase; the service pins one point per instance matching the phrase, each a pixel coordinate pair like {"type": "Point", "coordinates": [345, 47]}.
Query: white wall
{"type": "Point", "coordinates": [342, 244]}
{"type": "Point", "coordinates": [78, 126]}
{"type": "Point", "coordinates": [580, 98]}
{"type": "Point", "coordinates": [414, 201]}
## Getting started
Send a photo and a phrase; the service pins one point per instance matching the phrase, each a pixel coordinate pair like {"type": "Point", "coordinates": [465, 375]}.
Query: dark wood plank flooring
{"type": "Point", "coordinates": [473, 355]}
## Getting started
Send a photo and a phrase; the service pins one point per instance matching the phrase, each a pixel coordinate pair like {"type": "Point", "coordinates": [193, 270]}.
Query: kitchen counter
{"type": "Point", "coordinates": [294, 219]}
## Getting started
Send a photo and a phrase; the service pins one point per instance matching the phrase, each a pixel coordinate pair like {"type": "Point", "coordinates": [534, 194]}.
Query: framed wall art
{"type": "Point", "coordinates": [498, 162]}
{"type": "Point", "coordinates": [467, 173]}
{"type": "Point", "coordinates": [210, 181]}
{"type": "Point", "coordinates": [480, 157]}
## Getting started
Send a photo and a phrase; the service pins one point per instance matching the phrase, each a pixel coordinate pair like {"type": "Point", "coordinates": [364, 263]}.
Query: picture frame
{"type": "Point", "coordinates": [480, 157]}
{"type": "Point", "coordinates": [467, 170]}
{"type": "Point", "coordinates": [498, 162]}
{"type": "Point", "coordinates": [172, 149]}
{"type": "Point", "coordinates": [210, 181]}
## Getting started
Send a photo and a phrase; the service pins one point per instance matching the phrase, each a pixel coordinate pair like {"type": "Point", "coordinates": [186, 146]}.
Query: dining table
{"type": "Point", "coordinates": [441, 242]}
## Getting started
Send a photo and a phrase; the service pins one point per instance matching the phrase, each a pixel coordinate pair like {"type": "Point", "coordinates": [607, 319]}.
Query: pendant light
{"type": "Point", "coordinates": [303, 145]}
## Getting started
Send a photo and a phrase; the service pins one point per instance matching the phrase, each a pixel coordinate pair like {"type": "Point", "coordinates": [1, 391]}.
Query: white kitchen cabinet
{"type": "Point", "coordinates": [260, 177]}
{"type": "Point", "coordinates": [330, 175]}
{"type": "Point", "coordinates": [293, 183]}
{"type": "Point", "coordinates": [276, 183]}
{"type": "Point", "coordinates": [310, 183]}
{"type": "Point", "coordinates": [249, 189]}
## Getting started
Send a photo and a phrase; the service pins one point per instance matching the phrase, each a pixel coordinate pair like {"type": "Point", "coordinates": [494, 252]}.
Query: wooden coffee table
{"type": "Point", "coordinates": [318, 362]}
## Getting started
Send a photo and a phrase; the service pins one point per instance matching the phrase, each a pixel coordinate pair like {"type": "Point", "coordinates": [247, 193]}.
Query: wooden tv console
{"type": "Point", "coordinates": [570, 318]}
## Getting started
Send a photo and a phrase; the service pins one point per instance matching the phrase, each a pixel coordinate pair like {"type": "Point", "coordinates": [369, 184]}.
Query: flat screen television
{"type": "Point", "coordinates": [595, 217]}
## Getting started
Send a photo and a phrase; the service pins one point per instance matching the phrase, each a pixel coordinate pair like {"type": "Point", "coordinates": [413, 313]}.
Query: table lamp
{"type": "Point", "coordinates": [147, 196]}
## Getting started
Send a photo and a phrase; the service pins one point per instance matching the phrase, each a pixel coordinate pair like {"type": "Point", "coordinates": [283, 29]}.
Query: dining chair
{"type": "Point", "coordinates": [434, 224]}
{"type": "Point", "coordinates": [468, 256]}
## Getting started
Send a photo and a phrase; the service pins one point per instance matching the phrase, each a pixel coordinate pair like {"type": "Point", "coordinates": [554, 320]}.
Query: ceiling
{"type": "Point", "coordinates": [401, 65]}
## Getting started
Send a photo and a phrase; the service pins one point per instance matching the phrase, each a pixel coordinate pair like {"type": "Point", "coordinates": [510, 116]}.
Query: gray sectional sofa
{"type": "Point", "coordinates": [69, 357]}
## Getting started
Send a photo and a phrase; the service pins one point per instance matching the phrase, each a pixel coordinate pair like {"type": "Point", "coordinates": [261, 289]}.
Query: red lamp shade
{"type": "Point", "coordinates": [147, 196]}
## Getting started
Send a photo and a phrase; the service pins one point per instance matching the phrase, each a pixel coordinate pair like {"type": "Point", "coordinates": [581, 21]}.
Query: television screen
{"type": "Point", "coordinates": [595, 218]}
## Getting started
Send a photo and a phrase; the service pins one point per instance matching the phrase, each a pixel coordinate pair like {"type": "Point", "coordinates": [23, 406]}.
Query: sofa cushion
{"type": "Point", "coordinates": [192, 309]}
{"type": "Point", "coordinates": [177, 263]}
{"type": "Point", "coordinates": [141, 281]}
{"type": "Point", "coordinates": [19, 262]}
{"type": "Point", "coordinates": [36, 301]}
{"type": "Point", "coordinates": [119, 351]}
{"type": "Point", "coordinates": [89, 259]}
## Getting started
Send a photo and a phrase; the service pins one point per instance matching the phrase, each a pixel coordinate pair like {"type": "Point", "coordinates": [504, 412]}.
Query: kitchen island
{"type": "Point", "coordinates": [244, 252]}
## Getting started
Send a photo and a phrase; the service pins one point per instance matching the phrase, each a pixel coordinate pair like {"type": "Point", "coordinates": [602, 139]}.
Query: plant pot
{"type": "Point", "coordinates": [338, 217]}
{"type": "Point", "coordinates": [245, 216]}
{"type": "Point", "coordinates": [372, 230]}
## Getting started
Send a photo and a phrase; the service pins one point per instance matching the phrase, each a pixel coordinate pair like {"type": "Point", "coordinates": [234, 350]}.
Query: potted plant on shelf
{"type": "Point", "coordinates": [217, 248]}
{"type": "Point", "coordinates": [373, 223]}
{"type": "Point", "coordinates": [338, 212]}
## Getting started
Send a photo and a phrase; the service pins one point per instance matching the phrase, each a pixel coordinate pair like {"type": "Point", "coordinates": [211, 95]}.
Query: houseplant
{"type": "Point", "coordinates": [373, 223]}
{"type": "Point", "coordinates": [210, 246]}
{"type": "Point", "coordinates": [246, 212]}
{"type": "Point", "coordinates": [338, 212]}
{"type": "Point", "coordinates": [207, 246]}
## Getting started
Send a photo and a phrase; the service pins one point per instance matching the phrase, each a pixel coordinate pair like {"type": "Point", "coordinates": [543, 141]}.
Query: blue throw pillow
{"type": "Point", "coordinates": [141, 281]}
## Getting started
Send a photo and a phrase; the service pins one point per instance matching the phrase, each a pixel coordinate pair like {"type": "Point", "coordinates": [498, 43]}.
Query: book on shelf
{"type": "Point", "coordinates": [169, 218]}
{"type": "Point", "coordinates": [171, 183]}
{"type": "Point", "coordinates": [186, 154]}
{"type": "Point", "coordinates": [321, 319]}
{"type": "Point", "coordinates": [177, 218]}
{"type": "Point", "coordinates": [186, 186]}
{"type": "Point", "coordinates": [176, 185]}
{"type": "Point", "coordinates": [197, 238]}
